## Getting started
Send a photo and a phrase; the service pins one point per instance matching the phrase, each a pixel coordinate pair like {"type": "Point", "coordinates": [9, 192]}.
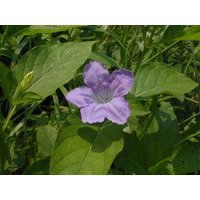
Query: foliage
{"type": "Point", "coordinates": [42, 133]}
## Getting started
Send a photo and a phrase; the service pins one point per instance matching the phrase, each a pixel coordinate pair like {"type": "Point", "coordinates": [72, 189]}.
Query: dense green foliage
{"type": "Point", "coordinates": [42, 133]}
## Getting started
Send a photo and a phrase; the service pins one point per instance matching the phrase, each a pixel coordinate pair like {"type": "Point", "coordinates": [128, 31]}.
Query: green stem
{"type": "Point", "coordinates": [112, 35]}
{"type": "Point", "coordinates": [192, 100]}
{"type": "Point", "coordinates": [186, 68]}
{"type": "Point", "coordinates": [145, 50]}
{"type": "Point", "coordinates": [190, 136]}
{"type": "Point", "coordinates": [57, 109]}
{"type": "Point", "coordinates": [190, 118]}
{"type": "Point", "coordinates": [165, 49]}
{"type": "Point", "coordinates": [64, 92]}
{"type": "Point", "coordinates": [140, 60]}
{"type": "Point", "coordinates": [10, 114]}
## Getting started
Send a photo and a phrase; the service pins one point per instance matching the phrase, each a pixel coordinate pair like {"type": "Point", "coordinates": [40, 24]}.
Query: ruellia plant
{"type": "Point", "coordinates": [97, 100]}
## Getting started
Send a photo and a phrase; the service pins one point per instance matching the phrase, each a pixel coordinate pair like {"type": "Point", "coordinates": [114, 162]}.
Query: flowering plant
{"type": "Point", "coordinates": [67, 107]}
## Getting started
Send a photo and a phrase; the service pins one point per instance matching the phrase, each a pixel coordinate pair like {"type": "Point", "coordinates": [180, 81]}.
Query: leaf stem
{"type": "Point", "coordinates": [65, 92]}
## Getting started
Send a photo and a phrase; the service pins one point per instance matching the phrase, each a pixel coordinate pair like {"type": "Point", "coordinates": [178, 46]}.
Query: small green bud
{"type": "Point", "coordinates": [26, 80]}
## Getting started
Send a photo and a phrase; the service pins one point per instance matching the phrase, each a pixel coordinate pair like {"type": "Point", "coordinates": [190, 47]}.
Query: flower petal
{"type": "Point", "coordinates": [93, 113]}
{"type": "Point", "coordinates": [117, 110]}
{"type": "Point", "coordinates": [121, 82]}
{"type": "Point", "coordinates": [95, 74]}
{"type": "Point", "coordinates": [81, 96]}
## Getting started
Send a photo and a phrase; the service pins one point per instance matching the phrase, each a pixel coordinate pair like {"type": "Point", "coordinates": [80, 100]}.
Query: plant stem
{"type": "Point", "coordinates": [10, 114]}
{"type": "Point", "coordinates": [165, 49]}
{"type": "Point", "coordinates": [190, 118]}
{"type": "Point", "coordinates": [57, 109]}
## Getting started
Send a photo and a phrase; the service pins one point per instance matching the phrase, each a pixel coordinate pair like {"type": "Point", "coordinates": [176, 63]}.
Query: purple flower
{"type": "Point", "coordinates": [102, 97]}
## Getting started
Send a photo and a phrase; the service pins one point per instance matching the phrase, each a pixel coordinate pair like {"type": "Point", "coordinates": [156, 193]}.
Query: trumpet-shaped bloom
{"type": "Point", "coordinates": [102, 97]}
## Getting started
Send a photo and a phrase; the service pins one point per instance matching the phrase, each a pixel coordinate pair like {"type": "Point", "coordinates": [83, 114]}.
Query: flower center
{"type": "Point", "coordinates": [103, 96]}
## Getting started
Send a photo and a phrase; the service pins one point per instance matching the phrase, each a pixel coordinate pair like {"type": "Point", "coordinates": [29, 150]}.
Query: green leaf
{"type": "Point", "coordinates": [46, 137]}
{"type": "Point", "coordinates": [103, 58]}
{"type": "Point", "coordinates": [144, 156]}
{"type": "Point", "coordinates": [15, 30]}
{"type": "Point", "coordinates": [52, 66]}
{"type": "Point", "coordinates": [181, 33]}
{"type": "Point", "coordinates": [137, 108]}
{"type": "Point", "coordinates": [158, 78]}
{"type": "Point", "coordinates": [3, 69]}
{"type": "Point", "coordinates": [187, 159]}
{"type": "Point", "coordinates": [172, 32]}
{"type": "Point", "coordinates": [192, 33]}
{"type": "Point", "coordinates": [132, 158]}
{"type": "Point", "coordinates": [36, 29]}
{"type": "Point", "coordinates": [86, 149]}
{"type": "Point", "coordinates": [161, 141]}
{"type": "Point", "coordinates": [8, 81]}
{"type": "Point", "coordinates": [40, 167]}
{"type": "Point", "coordinates": [25, 98]}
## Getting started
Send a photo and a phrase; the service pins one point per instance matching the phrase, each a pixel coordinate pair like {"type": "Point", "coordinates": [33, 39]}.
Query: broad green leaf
{"type": "Point", "coordinates": [52, 66]}
{"type": "Point", "coordinates": [40, 167]}
{"type": "Point", "coordinates": [172, 32]}
{"type": "Point", "coordinates": [103, 58]}
{"type": "Point", "coordinates": [192, 33]}
{"type": "Point", "coordinates": [32, 30]}
{"type": "Point", "coordinates": [86, 149]}
{"type": "Point", "coordinates": [187, 160]}
{"type": "Point", "coordinates": [3, 70]}
{"type": "Point", "coordinates": [137, 108]}
{"type": "Point", "coordinates": [158, 78]}
{"type": "Point", "coordinates": [181, 33]}
{"type": "Point", "coordinates": [7, 80]}
{"type": "Point", "coordinates": [132, 159]}
{"type": "Point", "coordinates": [144, 156]}
{"type": "Point", "coordinates": [15, 30]}
{"type": "Point", "coordinates": [161, 142]}
{"type": "Point", "coordinates": [46, 137]}
{"type": "Point", "coordinates": [25, 98]}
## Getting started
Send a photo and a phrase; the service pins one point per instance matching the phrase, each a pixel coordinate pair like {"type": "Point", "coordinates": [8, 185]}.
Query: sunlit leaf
{"type": "Point", "coordinates": [15, 30]}
{"type": "Point", "coordinates": [192, 33]}
{"type": "Point", "coordinates": [52, 66]}
{"type": "Point", "coordinates": [103, 58]}
{"type": "Point", "coordinates": [158, 78]}
{"type": "Point", "coordinates": [86, 149]}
